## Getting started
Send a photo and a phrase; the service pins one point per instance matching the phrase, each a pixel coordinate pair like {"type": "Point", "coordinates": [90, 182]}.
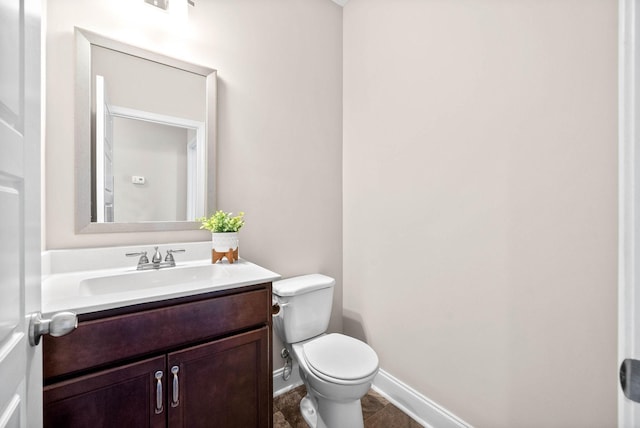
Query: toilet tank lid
{"type": "Point", "coordinates": [302, 284]}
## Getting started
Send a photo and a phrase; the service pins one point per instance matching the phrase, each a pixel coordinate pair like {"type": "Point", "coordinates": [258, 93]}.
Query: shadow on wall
{"type": "Point", "coordinates": [352, 325]}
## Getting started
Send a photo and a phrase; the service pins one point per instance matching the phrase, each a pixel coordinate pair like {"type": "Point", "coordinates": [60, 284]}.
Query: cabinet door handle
{"type": "Point", "coordinates": [176, 387]}
{"type": "Point", "coordinates": [159, 392]}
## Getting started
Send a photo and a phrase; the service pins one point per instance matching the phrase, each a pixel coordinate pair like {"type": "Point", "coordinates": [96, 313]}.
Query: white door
{"type": "Point", "coordinates": [20, 364]}
{"type": "Point", "coordinates": [629, 213]}
{"type": "Point", "coordinates": [104, 154]}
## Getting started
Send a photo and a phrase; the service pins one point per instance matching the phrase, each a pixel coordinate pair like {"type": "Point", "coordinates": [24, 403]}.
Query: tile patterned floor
{"type": "Point", "coordinates": [377, 412]}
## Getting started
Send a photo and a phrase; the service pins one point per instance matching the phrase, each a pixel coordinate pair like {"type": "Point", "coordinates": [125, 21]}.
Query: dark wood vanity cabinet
{"type": "Point", "coordinates": [194, 362]}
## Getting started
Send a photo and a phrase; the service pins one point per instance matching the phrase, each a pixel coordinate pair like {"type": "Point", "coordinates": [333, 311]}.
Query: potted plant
{"type": "Point", "coordinates": [224, 229]}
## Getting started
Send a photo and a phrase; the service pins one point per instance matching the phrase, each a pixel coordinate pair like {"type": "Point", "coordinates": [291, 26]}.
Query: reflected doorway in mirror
{"type": "Point", "coordinates": [169, 151]}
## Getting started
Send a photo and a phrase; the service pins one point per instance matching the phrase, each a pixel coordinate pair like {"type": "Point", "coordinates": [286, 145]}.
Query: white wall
{"type": "Point", "coordinates": [480, 203]}
{"type": "Point", "coordinates": [279, 154]}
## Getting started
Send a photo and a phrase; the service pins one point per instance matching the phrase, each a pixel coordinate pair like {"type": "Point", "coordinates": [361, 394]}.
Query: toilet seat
{"type": "Point", "coordinates": [340, 359]}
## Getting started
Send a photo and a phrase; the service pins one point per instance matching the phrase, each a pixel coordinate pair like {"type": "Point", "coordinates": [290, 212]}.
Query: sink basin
{"type": "Point", "coordinates": [195, 276]}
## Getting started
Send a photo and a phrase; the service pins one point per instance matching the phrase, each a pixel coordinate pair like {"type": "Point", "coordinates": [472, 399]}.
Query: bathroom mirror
{"type": "Point", "coordinates": [145, 138]}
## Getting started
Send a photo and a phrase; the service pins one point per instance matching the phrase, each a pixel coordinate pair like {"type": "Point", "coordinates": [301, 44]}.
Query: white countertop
{"type": "Point", "coordinates": [67, 291]}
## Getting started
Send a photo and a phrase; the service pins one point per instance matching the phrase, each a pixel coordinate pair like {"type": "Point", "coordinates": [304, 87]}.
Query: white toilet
{"type": "Point", "coordinates": [337, 370]}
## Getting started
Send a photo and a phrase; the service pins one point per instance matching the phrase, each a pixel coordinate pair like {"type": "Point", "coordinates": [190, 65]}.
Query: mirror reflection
{"type": "Point", "coordinates": [148, 117]}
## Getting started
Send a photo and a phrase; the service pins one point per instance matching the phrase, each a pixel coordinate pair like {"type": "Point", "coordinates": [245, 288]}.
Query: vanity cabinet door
{"type": "Point", "coordinates": [124, 396]}
{"type": "Point", "coordinates": [224, 383]}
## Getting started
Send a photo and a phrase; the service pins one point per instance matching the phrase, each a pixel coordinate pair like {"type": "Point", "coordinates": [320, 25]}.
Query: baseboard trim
{"type": "Point", "coordinates": [420, 408]}
{"type": "Point", "coordinates": [414, 404]}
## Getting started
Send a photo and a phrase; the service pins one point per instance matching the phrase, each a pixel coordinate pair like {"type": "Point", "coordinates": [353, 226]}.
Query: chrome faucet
{"type": "Point", "coordinates": [156, 260]}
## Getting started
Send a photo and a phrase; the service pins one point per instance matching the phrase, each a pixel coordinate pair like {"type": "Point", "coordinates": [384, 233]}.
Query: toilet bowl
{"type": "Point", "coordinates": [337, 370]}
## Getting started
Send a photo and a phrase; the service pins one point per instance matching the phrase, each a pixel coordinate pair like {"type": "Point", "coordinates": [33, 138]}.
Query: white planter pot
{"type": "Point", "coordinates": [224, 244]}
{"type": "Point", "coordinates": [225, 241]}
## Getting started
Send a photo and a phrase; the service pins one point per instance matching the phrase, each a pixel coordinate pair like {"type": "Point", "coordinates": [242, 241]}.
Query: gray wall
{"type": "Point", "coordinates": [480, 151]}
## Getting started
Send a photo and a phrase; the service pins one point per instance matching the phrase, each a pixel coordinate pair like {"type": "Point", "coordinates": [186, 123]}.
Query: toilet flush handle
{"type": "Point", "coordinates": [276, 308]}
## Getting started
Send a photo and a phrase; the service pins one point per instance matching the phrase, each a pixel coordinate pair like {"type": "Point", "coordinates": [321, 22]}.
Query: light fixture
{"type": "Point", "coordinates": [162, 4]}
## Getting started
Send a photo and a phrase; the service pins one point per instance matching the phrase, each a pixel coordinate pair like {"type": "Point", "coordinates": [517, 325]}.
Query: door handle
{"type": "Point", "coordinates": [159, 394]}
{"type": "Point", "coordinates": [60, 324]}
{"type": "Point", "coordinates": [175, 399]}
{"type": "Point", "coordinates": [630, 379]}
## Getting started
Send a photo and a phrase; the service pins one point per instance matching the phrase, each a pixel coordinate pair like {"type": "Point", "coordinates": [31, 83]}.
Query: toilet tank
{"type": "Point", "coordinates": [305, 306]}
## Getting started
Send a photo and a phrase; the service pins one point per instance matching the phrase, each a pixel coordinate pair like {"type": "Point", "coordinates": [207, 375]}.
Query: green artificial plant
{"type": "Point", "coordinates": [221, 222]}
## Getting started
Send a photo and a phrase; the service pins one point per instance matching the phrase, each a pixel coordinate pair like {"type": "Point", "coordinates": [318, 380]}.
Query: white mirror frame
{"type": "Point", "coordinates": [83, 138]}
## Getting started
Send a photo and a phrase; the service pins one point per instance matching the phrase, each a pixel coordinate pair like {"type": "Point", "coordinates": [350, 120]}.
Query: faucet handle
{"type": "Point", "coordinates": [143, 258]}
{"type": "Point", "coordinates": [169, 257]}
{"type": "Point", "coordinates": [142, 254]}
